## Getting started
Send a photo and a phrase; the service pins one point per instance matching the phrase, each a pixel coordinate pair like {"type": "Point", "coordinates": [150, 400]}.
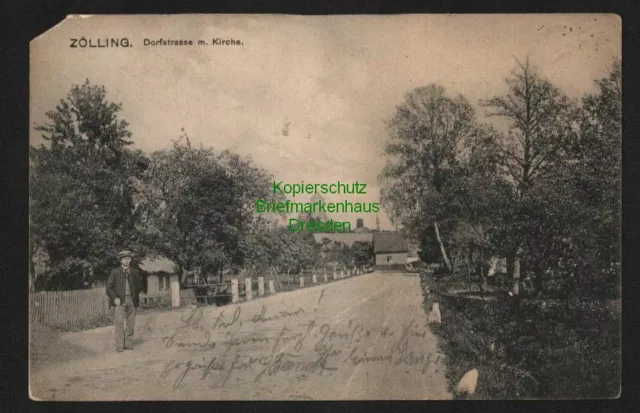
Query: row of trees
{"type": "Point", "coordinates": [541, 186]}
{"type": "Point", "coordinates": [91, 195]}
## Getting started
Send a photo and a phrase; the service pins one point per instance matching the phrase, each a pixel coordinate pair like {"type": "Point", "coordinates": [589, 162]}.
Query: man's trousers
{"type": "Point", "coordinates": [125, 312]}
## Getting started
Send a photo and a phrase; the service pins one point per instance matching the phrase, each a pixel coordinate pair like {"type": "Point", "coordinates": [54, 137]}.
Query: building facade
{"type": "Point", "coordinates": [158, 271]}
{"type": "Point", "coordinates": [390, 250]}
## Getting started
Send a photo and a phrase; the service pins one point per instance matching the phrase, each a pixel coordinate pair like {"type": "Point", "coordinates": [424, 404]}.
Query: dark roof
{"type": "Point", "coordinates": [347, 238]}
{"type": "Point", "coordinates": [389, 242]}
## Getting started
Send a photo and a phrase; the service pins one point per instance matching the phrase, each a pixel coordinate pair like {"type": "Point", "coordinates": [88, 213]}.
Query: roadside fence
{"type": "Point", "coordinates": [81, 307]}
{"type": "Point", "coordinates": [248, 288]}
{"type": "Point", "coordinates": [78, 307]}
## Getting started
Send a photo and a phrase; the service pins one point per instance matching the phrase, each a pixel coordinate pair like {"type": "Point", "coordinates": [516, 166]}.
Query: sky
{"type": "Point", "coordinates": [335, 80]}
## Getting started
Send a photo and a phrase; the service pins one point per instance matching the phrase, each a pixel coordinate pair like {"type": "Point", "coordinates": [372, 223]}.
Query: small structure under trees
{"type": "Point", "coordinates": [390, 250]}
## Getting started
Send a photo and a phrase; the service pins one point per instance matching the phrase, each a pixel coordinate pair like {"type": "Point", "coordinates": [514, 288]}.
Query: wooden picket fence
{"type": "Point", "coordinates": [58, 308]}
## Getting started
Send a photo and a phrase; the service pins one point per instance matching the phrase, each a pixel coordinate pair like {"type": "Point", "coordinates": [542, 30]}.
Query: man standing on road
{"type": "Point", "coordinates": [123, 288]}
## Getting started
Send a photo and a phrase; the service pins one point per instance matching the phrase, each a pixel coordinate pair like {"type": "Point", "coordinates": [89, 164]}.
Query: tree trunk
{"type": "Point", "coordinates": [483, 277]}
{"type": "Point", "coordinates": [469, 262]}
{"type": "Point", "coordinates": [516, 274]}
{"type": "Point", "coordinates": [454, 258]}
{"type": "Point", "coordinates": [445, 257]}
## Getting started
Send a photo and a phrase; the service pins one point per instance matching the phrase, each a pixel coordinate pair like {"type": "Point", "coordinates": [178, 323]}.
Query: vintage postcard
{"type": "Point", "coordinates": [282, 207]}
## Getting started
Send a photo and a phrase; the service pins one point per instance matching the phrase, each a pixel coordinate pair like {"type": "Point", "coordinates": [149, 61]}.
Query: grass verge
{"type": "Point", "coordinates": [551, 349]}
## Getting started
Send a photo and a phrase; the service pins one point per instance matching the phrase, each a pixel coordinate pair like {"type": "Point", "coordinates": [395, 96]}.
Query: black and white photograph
{"type": "Point", "coordinates": [345, 207]}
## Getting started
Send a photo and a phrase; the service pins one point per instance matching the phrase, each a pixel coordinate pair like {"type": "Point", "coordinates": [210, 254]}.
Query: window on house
{"type": "Point", "coordinates": [389, 258]}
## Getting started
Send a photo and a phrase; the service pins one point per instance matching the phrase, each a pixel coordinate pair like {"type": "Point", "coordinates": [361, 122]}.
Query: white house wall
{"type": "Point", "coordinates": [396, 258]}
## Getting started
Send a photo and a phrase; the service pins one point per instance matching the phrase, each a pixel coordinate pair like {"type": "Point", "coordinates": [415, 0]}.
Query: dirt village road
{"type": "Point", "coordinates": [361, 338]}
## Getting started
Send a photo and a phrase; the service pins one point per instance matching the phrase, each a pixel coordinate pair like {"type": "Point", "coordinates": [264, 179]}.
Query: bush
{"type": "Point", "coordinates": [68, 275]}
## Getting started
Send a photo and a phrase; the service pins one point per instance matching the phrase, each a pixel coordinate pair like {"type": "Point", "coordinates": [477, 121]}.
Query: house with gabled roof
{"type": "Point", "coordinates": [390, 249]}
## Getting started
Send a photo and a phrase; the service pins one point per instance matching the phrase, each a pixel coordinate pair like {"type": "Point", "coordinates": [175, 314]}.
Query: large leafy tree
{"type": "Point", "coordinates": [562, 162]}
{"type": "Point", "coordinates": [337, 253]}
{"type": "Point", "coordinates": [271, 248]}
{"type": "Point", "coordinates": [540, 119]}
{"type": "Point", "coordinates": [597, 151]}
{"type": "Point", "coordinates": [362, 253]}
{"type": "Point", "coordinates": [542, 187]}
{"type": "Point", "coordinates": [590, 178]}
{"type": "Point", "coordinates": [573, 227]}
{"type": "Point", "coordinates": [428, 132]}
{"type": "Point", "coordinates": [200, 209]}
{"type": "Point", "coordinates": [82, 184]}
{"type": "Point", "coordinates": [296, 250]}
{"type": "Point", "coordinates": [478, 205]}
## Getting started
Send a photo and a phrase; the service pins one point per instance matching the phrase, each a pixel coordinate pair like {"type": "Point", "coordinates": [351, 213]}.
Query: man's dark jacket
{"type": "Point", "coordinates": [116, 287]}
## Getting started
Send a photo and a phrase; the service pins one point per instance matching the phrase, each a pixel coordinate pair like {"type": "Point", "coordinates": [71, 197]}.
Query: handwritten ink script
{"type": "Point", "coordinates": [220, 344]}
